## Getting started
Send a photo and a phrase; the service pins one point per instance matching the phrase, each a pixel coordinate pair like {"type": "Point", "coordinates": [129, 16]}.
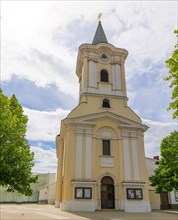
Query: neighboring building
{"type": "Point", "coordinates": [47, 193]}
{"type": "Point", "coordinates": [45, 181]}
{"type": "Point", "coordinates": [151, 164]}
{"type": "Point", "coordinates": [173, 200]}
{"type": "Point", "coordinates": [15, 197]}
{"type": "Point", "coordinates": [165, 200]}
{"type": "Point", "coordinates": [100, 149]}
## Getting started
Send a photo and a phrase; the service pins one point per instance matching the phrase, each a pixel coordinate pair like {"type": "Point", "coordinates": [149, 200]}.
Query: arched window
{"type": "Point", "coordinates": [104, 76]}
{"type": "Point", "coordinates": [106, 103]}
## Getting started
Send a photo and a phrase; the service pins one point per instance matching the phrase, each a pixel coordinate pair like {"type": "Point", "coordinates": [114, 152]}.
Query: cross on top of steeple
{"type": "Point", "coordinates": [99, 17]}
{"type": "Point", "coordinates": [100, 36]}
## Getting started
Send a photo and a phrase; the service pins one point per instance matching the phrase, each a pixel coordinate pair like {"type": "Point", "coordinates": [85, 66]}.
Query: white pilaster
{"type": "Point", "coordinates": [92, 74]}
{"type": "Point", "coordinates": [88, 157]}
{"type": "Point", "coordinates": [126, 158]}
{"type": "Point", "coordinates": [116, 77]}
{"type": "Point", "coordinates": [78, 161]}
{"type": "Point", "coordinates": [135, 159]}
{"type": "Point", "coordinates": [83, 79]}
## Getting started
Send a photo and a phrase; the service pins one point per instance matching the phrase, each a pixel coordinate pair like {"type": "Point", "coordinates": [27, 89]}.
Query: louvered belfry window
{"type": "Point", "coordinates": [106, 103]}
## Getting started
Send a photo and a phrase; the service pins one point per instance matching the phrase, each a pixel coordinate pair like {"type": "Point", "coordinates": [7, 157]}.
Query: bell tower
{"type": "Point", "coordinates": [101, 69]}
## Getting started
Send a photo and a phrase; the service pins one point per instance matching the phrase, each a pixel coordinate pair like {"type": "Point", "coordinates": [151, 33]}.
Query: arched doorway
{"type": "Point", "coordinates": [107, 193]}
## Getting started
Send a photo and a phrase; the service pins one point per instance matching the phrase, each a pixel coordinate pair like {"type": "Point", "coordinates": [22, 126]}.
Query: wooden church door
{"type": "Point", "coordinates": [107, 193]}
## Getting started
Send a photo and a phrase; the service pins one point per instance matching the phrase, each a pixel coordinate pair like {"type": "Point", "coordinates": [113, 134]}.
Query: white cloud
{"type": "Point", "coordinates": [43, 125]}
{"type": "Point", "coordinates": [143, 28]}
{"type": "Point", "coordinates": [45, 160]}
{"type": "Point", "coordinates": [146, 31]}
{"type": "Point", "coordinates": [26, 31]}
{"type": "Point", "coordinates": [132, 96]}
{"type": "Point", "coordinates": [155, 134]}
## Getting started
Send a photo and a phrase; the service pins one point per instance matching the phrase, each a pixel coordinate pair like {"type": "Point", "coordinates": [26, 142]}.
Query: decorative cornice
{"type": "Point", "coordinates": [94, 59]}
{"type": "Point", "coordinates": [113, 62]}
{"type": "Point", "coordinates": [78, 181]}
{"type": "Point", "coordinates": [133, 182]}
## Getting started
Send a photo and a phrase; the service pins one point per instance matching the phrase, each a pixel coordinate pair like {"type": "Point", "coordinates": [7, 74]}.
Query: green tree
{"type": "Point", "coordinates": [16, 159]}
{"type": "Point", "coordinates": [165, 176]}
{"type": "Point", "coordinates": [172, 64]}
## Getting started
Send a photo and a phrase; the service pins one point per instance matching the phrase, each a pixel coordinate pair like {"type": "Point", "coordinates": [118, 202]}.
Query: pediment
{"type": "Point", "coordinates": [91, 120]}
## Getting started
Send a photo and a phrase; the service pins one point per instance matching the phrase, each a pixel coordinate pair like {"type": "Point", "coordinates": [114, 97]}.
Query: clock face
{"type": "Point", "coordinates": [104, 57]}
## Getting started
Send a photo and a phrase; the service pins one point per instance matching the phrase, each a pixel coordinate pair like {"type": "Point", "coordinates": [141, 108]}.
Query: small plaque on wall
{"type": "Point", "coordinates": [106, 162]}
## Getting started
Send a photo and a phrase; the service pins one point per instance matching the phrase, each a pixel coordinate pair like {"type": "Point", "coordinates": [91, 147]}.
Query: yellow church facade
{"type": "Point", "coordinates": [100, 148]}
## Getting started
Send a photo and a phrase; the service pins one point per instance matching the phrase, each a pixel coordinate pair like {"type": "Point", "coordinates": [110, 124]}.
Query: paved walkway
{"type": "Point", "coordinates": [49, 212]}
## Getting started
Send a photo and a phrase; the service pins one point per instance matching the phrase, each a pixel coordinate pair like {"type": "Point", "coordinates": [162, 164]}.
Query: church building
{"type": "Point", "coordinates": [100, 148]}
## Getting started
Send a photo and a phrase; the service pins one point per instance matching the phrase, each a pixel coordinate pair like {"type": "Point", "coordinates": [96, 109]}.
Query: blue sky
{"type": "Point", "coordinates": [39, 45]}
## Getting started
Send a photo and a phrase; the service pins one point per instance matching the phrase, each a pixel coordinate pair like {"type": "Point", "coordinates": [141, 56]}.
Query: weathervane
{"type": "Point", "coordinates": [99, 17]}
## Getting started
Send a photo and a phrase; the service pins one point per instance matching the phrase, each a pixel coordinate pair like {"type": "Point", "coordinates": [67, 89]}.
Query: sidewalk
{"type": "Point", "coordinates": [49, 212]}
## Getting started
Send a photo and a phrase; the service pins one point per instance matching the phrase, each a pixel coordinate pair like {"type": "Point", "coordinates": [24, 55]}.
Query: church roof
{"type": "Point", "coordinates": [100, 36]}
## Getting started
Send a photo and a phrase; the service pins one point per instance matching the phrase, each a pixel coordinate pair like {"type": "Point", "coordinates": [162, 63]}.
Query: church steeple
{"type": "Point", "coordinates": [100, 69]}
{"type": "Point", "coordinates": [100, 36]}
